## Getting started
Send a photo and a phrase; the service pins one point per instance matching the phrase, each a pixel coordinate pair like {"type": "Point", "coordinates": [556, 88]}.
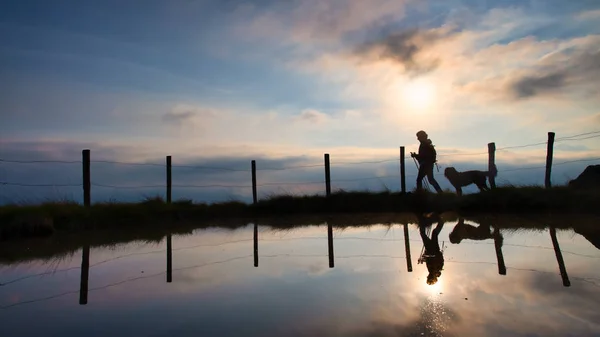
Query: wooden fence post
{"type": "Point", "coordinates": [549, 154]}
{"type": "Point", "coordinates": [492, 163]}
{"type": "Point", "coordinates": [87, 183]}
{"type": "Point", "coordinates": [254, 195]}
{"type": "Point", "coordinates": [327, 176]}
{"type": "Point", "coordinates": [402, 170]}
{"type": "Point", "coordinates": [168, 179]}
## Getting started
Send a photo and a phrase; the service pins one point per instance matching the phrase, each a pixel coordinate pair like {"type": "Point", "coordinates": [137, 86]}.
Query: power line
{"type": "Point", "coordinates": [290, 167]}
{"type": "Point", "coordinates": [125, 163]}
{"type": "Point", "coordinates": [462, 154]}
{"type": "Point", "coordinates": [367, 178]}
{"type": "Point", "coordinates": [579, 135]}
{"type": "Point", "coordinates": [127, 187]}
{"type": "Point", "coordinates": [368, 162]}
{"type": "Point", "coordinates": [210, 168]}
{"type": "Point", "coordinates": [39, 161]}
{"type": "Point", "coordinates": [574, 139]}
{"type": "Point", "coordinates": [39, 185]}
{"type": "Point", "coordinates": [292, 183]}
{"type": "Point", "coordinates": [577, 161]}
{"type": "Point", "coordinates": [322, 181]}
{"type": "Point", "coordinates": [554, 164]}
{"type": "Point", "coordinates": [521, 146]}
{"type": "Point", "coordinates": [199, 167]}
{"type": "Point", "coordinates": [177, 186]}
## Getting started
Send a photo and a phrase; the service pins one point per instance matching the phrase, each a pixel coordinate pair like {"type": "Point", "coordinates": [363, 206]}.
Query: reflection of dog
{"type": "Point", "coordinates": [461, 179]}
{"type": "Point", "coordinates": [465, 231]}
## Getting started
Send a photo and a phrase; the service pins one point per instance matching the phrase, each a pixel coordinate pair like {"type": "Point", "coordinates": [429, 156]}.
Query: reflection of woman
{"type": "Point", "coordinates": [434, 259]}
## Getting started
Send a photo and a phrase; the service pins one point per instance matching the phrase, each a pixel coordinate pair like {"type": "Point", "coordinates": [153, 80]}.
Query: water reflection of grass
{"type": "Point", "coordinates": [155, 216]}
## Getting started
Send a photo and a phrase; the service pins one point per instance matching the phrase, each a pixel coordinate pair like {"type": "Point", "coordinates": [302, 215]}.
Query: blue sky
{"type": "Point", "coordinates": [284, 82]}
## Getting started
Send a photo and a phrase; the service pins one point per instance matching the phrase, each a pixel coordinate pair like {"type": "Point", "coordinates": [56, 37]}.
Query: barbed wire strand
{"type": "Point", "coordinates": [579, 135]}
{"type": "Point", "coordinates": [272, 183]}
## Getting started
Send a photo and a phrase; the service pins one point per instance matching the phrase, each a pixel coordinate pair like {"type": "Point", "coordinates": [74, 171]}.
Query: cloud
{"type": "Point", "coordinates": [404, 48]}
{"type": "Point", "coordinates": [589, 15]}
{"type": "Point", "coordinates": [183, 113]}
{"type": "Point", "coordinates": [314, 21]}
{"type": "Point", "coordinates": [529, 86]}
{"type": "Point", "coordinates": [581, 69]}
{"type": "Point", "coordinates": [312, 116]}
{"type": "Point", "coordinates": [189, 118]}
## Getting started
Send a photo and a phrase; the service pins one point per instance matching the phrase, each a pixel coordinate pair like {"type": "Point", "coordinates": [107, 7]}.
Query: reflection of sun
{"type": "Point", "coordinates": [419, 94]}
{"type": "Point", "coordinates": [436, 288]}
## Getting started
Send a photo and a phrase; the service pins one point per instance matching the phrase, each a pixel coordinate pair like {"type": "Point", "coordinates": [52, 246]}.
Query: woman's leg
{"type": "Point", "coordinates": [420, 176]}
{"type": "Point", "coordinates": [432, 180]}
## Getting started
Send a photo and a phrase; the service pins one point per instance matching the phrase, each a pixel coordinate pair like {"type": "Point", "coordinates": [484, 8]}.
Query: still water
{"type": "Point", "coordinates": [314, 281]}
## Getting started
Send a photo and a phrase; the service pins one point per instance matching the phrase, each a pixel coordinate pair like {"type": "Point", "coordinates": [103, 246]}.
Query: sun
{"type": "Point", "coordinates": [419, 94]}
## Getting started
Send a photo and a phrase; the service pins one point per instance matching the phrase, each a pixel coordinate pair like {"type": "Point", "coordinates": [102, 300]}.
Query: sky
{"type": "Point", "coordinates": [216, 83]}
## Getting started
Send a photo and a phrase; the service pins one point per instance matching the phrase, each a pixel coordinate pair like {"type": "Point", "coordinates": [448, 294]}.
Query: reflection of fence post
{"type": "Point", "coordinates": [407, 249]}
{"type": "Point", "coordinates": [256, 245]}
{"type": "Point", "coordinates": [254, 196]}
{"type": "Point", "coordinates": [169, 259]}
{"type": "Point", "coordinates": [85, 273]}
{"type": "Point", "coordinates": [327, 176]}
{"type": "Point", "coordinates": [402, 171]}
{"type": "Point", "coordinates": [549, 154]}
{"type": "Point", "coordinates": [559, 258]}
{"type": "Point", "coordinates": [330, 245]}
{"type": "Point", "coordinates": [87, 183]}
{"type": "Point", "coordinates": [492, 163]}
{"type": "Point", "coordinates": [499, 255]}
{"type": "Point", "coordinates": [168, 179]}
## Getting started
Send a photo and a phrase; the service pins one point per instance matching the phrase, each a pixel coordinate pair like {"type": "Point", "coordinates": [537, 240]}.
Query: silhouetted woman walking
{"type": "Point", "coordinates": [426, 158]}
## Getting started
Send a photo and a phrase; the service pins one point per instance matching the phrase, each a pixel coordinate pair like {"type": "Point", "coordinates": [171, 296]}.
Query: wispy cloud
{"type": "Point", "coordinates": [312, 116]}
{"type": "Point", "coordinates": [189, 117]}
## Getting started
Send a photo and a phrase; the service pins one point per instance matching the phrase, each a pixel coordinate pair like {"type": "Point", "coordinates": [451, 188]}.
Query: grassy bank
{"type": "Point", "coordinates": [17, 221]}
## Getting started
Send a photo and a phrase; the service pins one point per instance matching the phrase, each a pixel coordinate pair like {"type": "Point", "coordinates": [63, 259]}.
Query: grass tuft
{"type": "Point", "coordinates": [27, 220]}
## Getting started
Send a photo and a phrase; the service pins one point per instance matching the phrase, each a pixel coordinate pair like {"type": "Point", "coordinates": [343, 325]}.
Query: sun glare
{"type": "Point", "coordinates": [418, 94]}
{"type": "Point", "coordinates": [436, 288]}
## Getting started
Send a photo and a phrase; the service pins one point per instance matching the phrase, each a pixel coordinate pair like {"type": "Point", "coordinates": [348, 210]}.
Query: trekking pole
{"type": "Point", "coordinates": [426, 182]}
